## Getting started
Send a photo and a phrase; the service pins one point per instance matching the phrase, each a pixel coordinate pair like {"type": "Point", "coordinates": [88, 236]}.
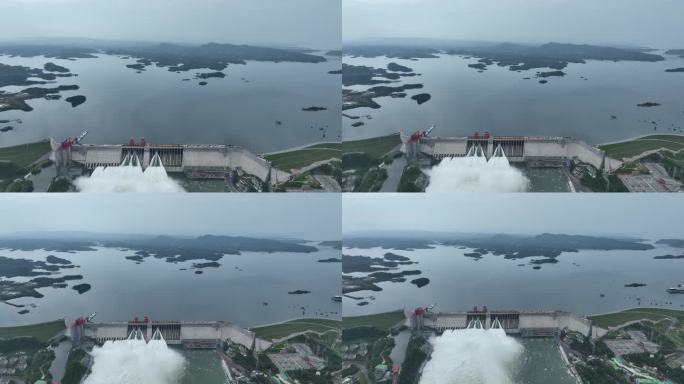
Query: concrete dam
{"type": "Point", "coordinates": [178, 158]}
{"type": "Point", "coordinates": [189, 334]}
{"type": "Point", "coordinates": [519, 323]}
{"type": "Point", "coordinates": [552, 150]}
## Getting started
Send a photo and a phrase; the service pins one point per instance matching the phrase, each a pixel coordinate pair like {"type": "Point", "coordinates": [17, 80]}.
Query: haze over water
{"type": "Point", "coordinates": [240, 109]}
{"type": "Point", "coordinates": [502, 102]}
{"type": "Point", "coordinates": [575, 283]}
{"type": "Point", "coordinates": [236, 291]}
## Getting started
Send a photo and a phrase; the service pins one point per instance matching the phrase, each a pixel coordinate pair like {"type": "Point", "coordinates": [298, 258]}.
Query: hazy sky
{"type": "Point", "coordinates": [648, 215]}
{"type": "Point", "coordinates": [310, 23]}
{"type": "Point", "coordinates": [657, 23]}
{"type": "Point", "coordinates": [307, 216]}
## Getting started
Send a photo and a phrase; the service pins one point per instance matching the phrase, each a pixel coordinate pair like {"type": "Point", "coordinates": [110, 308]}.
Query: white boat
{"type": "Point", "coordinates": [678, 289]}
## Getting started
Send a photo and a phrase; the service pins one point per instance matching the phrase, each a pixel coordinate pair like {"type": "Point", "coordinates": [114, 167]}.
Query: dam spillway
{"type": "Point", "coordinates": [189, 334]}
{"type": "Point", "coordinates": [521, 323]}
{"type": "Point", "coordinates": [179, 158]}
{"type": "Point", "coordinates": [538, 149]}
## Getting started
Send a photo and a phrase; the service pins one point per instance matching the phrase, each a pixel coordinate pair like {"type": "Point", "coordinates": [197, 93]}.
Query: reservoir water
{"type": "Point", "coordinates": [257, 105]}
{"type": "Point", "coordinates": [585, 282]}
{"type": "Point", "coordinates": [504, 103]}
{"type": "Point", "coordinates": [248, 289]}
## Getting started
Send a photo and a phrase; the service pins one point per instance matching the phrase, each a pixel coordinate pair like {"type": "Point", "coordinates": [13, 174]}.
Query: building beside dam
{"type": "Point", "coordinates": [539, 150]}
{"type": "Point", "coordinates": [178, 158]}
{"type": "Point", "coordinates": [189, 334]}
{"type": "Point", "coordinates": [519, 323]}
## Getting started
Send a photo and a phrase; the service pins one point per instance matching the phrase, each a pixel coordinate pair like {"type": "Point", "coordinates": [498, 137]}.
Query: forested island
{"type": "Point", "coordinates": [214, 56]}
{"type": "Point", "coordinates": [515, 56]}
{"type": "Point", "coordinates": [15, 75]}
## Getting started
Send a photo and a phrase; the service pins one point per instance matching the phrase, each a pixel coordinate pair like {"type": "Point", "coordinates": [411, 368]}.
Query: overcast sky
{"type": "Point", "coordinates": [656, 23]}
{"type": "Point", "coordinates": [306, 216]}
{"type": "Point", "coordinates": [648, 215]}
{"type": "Point", "coordinates": [310, 23]}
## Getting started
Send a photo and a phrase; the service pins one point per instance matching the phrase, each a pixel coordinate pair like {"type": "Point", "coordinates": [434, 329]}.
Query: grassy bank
{"type": "Point", "coordinates": [288, 328]}
{"type": "Point", "coordinates": [300, 158]}
{"type": "Point", "coordinates": [638, 146]}
{"type": "Point", "coordinates": [376, 147]}
{"type": "Point", "coordinates": [383, 321]}
{"type": "Point", "coordinates": [25, 154]}
{"type": "Point", "coordinates": [619, 318]}
{"type": "Point", "coordinates": [42, 331]}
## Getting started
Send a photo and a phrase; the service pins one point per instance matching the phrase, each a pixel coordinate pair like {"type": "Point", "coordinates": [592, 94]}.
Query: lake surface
{"type": "Point", "coordinates": [240, 109]}
{"type": "Point", "coordinates": [502, 102]}
{"type": "Point", "coordinates": [235, 292]}
{"type": "Point", "coordinates": [574, 284]}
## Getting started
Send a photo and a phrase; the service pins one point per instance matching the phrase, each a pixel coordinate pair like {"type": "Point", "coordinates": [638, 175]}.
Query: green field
{"type": "Point", "coordinates": [376, 147]}
{"type": "Point", "coordinates": [641, 145]}
{"type": "Point", "coordinates": [306, 156]}
{"type": "Point", "coordinates": [25, 154]}
{"type": "Point", "coordinates": [288, 328]}
{"type": "Point", "coordinates": [383, 321]}
{"type": "Point", "coordinates": [619, 318]}
{"type": "Point", "coordinates": [42, 331]}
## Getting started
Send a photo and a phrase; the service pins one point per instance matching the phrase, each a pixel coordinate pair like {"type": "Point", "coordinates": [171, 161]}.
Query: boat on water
{"type": "Point", "coordinates": [678, 289]}
{"type": "Point", "coordinates": [336, 298]}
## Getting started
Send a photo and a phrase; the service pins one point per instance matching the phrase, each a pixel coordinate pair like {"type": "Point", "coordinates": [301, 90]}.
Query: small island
{"type": "Point", "coordinates": [635, 285]}
{"type": "Point", "coordinates": [395, 257]}
{"type": "Point", "coordinates": [680, 69]}
{"type": "Point", "coordinates": [480, 66]}
{"type": "Point", "coordinates": [52, 67]}
{"type": "Point", "coordinates": [358, 124]}
{"type": "Point", "coordinates": [675, 52]}
{"type": "Point", "coordinates": [137, 66]}
{"type": "Point", "coordinates": [648, 104]}
{"type": "Point", "coordinates": [314, 109]}
{"type": "Point", "coordinates": [57, 260]}
{"type": "Point", "coordinates": [76, 100]}
{"type": "Point", "coordinates": [218, 75]}
{"type": "Point", "coordinates": [394, 67]}
{"type": "Point", "coordinates": [421, 98]}
{"type": "Point", "coordinates": [420, 282]}
{"type": "Point", "coordinates": [81, 288]}
{"type": "Point", "coordinates": [298, 292]}
{"type": "Point", "coordinates": [330, 260]}
{"type": "Point", "coordinates": [669, 257]}
{"type": "Point", "coordinates": [202, 83]}
{"type": "Point", "coordinates": [209, 264]}
{"type": "Point", "coordinates": [364, 99]}
{"type": "Point", "coordinates": [551, 73]}
{"type": "Point", "coordinates": [548, 260]}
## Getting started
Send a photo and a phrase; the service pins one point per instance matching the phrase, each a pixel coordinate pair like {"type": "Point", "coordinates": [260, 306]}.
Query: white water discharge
{"type": "Point", "coordinates": [472, 356]}
{"type": "Point", "coordinates": [129, 177]}
{"type": "Point", "coordinates": [473, 173]}
{"type": "Point", "coordinates": [134, 361]}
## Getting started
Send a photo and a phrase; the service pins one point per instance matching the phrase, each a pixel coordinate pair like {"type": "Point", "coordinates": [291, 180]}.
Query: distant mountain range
{"type": "Point", "coordinates": [511, 246]}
